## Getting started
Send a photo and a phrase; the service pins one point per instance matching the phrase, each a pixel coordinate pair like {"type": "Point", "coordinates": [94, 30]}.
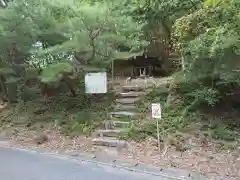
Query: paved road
{"type": "Point", "coordinates": [25, 165]}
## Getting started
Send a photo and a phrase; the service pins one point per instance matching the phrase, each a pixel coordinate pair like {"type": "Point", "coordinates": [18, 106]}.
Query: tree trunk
{"type": "Point", "coordinates": [3, 92]}
{"type": "Point", "coordinates": [70, 86]}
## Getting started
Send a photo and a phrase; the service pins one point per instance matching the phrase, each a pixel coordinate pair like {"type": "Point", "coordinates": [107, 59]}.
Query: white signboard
{"type": "Point", "coordinates": [156, 111]}
{"type": "Point", "coordinates": [96, 83]}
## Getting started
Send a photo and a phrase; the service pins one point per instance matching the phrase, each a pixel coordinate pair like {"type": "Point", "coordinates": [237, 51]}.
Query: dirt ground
{"type": "Point", "coordinates": [214, 160]}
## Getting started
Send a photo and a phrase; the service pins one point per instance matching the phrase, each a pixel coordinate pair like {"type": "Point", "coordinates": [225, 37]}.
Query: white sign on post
{"type": "Point", "coordinates": [157, 114]}
{"type": "Point", "coordinates": [156, 111]}
{"type": "Point", "coordinates": [96, 83]}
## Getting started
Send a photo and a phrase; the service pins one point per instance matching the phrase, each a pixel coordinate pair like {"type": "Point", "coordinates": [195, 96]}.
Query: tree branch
{"type": "Point", "coordinates": [93, 37]}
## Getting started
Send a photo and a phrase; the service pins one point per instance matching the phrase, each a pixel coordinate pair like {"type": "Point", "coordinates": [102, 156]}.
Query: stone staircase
{"type": "Point", "coordinates": [119, 119]}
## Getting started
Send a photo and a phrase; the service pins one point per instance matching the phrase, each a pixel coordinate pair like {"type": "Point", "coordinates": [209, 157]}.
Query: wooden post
{"type": "Point", "coordinates": [112, 73]}
{"type": "Point", "coordinates": [158, 137]}
{"type": "Point", "coordinates": [157, 115]}
{"type": "Point", "coordinates": [150, 70]}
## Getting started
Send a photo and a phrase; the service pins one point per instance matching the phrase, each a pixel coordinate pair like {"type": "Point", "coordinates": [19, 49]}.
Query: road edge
{"type": "Point", "coordinates": [170, 173]}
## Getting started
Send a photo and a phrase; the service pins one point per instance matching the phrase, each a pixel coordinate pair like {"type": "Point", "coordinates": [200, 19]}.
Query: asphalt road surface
{"type": "Point", "coordinates": [26, 165]}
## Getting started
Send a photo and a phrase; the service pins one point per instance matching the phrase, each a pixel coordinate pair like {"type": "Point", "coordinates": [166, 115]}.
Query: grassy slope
{"type": "Point", "coordinates": [72, 116]}
{"type": "Point", "coordinates": [175, 124]}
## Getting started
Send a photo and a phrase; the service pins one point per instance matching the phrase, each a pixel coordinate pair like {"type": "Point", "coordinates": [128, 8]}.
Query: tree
{"type": "Point", "coordinates": [43, 32]}
{"type": "Point", "coordinates": [209, 39]}
{"type": "Point", "coordinates": [163, 13]}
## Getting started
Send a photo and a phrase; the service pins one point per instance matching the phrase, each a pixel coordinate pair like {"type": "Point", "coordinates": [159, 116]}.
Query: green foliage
{"type": "Point", "coordinates": [208, 39]}
{"type": "Point", "coordinates": [43, 32]}
{"type": "Point", "coordinates": [220, 131]}
{"type": "Point", "coordinates": [160, 14]}
{"type": "Point", "coordinates": [135, 133]}
{"type": "Point", "coordinates": [55, 72]}
{"type": "Point", "coordinates": [205, 95]}
{"type": "Point", "coordinates": [80, 123]}
{"type": "Point", "coordinates": [169, 124]}
{"type": "Point", "coordinates": [223, 133]}
{"type": "Point", "coordinates": [155, 95]}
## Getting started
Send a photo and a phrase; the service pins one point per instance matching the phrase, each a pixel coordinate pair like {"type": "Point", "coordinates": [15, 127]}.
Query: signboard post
{"type": "Point", "coordinates": [157, 114]}
{"type": "Point", "coordinates": [96, 83]}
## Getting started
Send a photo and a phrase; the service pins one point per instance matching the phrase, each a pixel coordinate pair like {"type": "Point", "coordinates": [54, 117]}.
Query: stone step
{"type": "Point", "coordinates": [109, 142]}
{"type": "Point", "coordinates": [127, 100]}
{"type": "Point", "coordinates": [127, 107]}
{"type": "Point", "coordinates": [129, 94]}
{"type": "Point", "coordinates": [110, 124]}
{"type": "Point", "coordinates": [122, 113]}
{"type": "Point", "coordinates": [132, 88]}
{"type": "Point", "coordinates": [108, 132]}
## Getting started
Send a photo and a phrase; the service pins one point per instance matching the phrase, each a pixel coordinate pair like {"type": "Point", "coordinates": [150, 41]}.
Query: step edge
{"type": "Point", "coordinates": [110, 130]}
{"type": "Point", "coordinates": [113, 121]}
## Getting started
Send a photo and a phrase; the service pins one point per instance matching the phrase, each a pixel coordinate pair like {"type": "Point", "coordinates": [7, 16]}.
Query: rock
{"type": "Point", "coordinates": [40, 139]}
{"type": "Point", "coordinates": [211, 157]}
{"type": "Point", "coordinates": [40, 110]}
{"type": "Point", "coordinates": [75, 154]}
